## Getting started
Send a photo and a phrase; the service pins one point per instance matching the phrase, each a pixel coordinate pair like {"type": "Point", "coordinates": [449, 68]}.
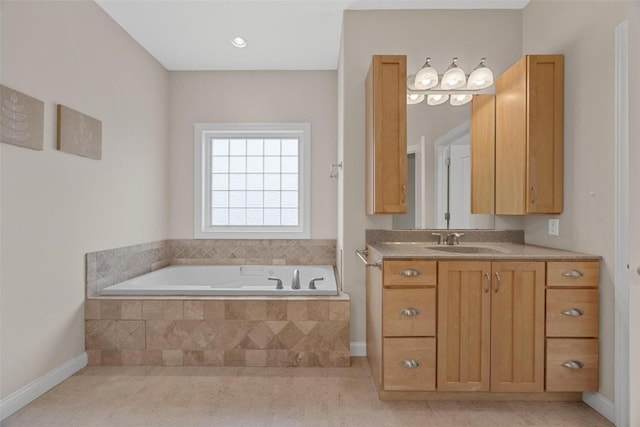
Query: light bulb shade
{"type": "Point", "coordinates": [414, 98]}
{"type": "Point", "coordinates": [426, 78]}
{"type": "Point", "coordinates": [480, 78]}
{"type": "Point", "coordinates": [460, 99]}
{"type": "Point", "coordinates": [437, 99]}
{"type": "Point", "coordinates": [454, 78]}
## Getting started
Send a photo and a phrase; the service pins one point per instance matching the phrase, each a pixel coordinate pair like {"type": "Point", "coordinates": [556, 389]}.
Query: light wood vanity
{"type": "Point", "coordinates": [519, 326]}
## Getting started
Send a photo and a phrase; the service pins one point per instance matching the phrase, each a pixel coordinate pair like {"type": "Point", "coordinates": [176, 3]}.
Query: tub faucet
{"type": "Point", "coordinates": [295, 280]}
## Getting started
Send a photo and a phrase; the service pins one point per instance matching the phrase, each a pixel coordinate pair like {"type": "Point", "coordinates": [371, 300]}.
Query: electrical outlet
{"type": "Point", "coordinates": [554, 227]}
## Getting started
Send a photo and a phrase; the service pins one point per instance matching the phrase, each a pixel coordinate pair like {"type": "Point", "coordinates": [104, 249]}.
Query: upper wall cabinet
{"type": "Point", "coordinates": [529, 136]}
{"type": "Point", "coordinates": [386, 135]}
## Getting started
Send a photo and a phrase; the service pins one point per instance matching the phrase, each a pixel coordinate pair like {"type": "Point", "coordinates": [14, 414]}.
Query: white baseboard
{"type": "Point", "coordinates": [601, 404]}
{"type": "Point", "coordinates": [358, 348]}
{"type": "Point", "coordinates": [38, 387]}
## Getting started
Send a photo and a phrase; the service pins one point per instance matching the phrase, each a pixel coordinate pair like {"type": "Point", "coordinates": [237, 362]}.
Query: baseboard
{"type": "Point", "coordinates": [358, 348]}
{"type": "Point", "coordinates": [601, 404]}
{"type": "Point", "coordinates": [38, 387]}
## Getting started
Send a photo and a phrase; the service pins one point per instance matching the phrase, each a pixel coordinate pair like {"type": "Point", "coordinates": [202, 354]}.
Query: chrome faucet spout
{"type": "Point", "coordinates": [295, 280]}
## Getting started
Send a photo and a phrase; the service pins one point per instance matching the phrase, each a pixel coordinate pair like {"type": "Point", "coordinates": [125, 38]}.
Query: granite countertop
{"type": "Point", "coordinates": [476, 250]}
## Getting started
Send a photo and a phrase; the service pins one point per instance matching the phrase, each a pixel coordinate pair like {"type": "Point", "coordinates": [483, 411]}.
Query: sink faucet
{"type": "Point", "coordinates": [295, 280]}
{"type": "Point", "coordinates": [453, 238]}
{"type": "Point", "coordinates": [440, 237]}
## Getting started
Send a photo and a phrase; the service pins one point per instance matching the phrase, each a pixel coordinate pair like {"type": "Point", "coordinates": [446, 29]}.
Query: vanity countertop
{"type": "Point", "coordinates": [479, 250]}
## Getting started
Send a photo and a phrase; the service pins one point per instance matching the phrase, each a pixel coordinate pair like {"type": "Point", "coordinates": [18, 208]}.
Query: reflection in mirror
{"type": "Point", "coordinates": [438, 167]}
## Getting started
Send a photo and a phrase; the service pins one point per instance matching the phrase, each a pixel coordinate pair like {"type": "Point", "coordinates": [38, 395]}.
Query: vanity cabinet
{"type": "Point", "coordinates": [529, 137]}
{"type": "Point", "coordinates": [386, 135]}
{"type": "Point", "coordinates": [572, 326]}
{"type": "Point", "coordinates": [482, 329]}
{"type": "Point", "coordinates": [401, 324]}
{"type": "Point", "coordinates": [483, 151]}
{"type": "Point", "coordinates": [491, 326]}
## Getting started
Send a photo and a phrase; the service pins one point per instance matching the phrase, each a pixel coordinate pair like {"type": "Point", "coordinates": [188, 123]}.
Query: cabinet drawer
{"type": "Point", "coordinates": [409, 364]}
{"type": "Point", "coordinates": [409, 312]}
{"type": "Point", "coordinates": [580, 352]}
{"type": "Point", "coordinates": [583, 274]}
{"type": "Point", "coordinates": [572, 313]}
{"type": "Point", "coordinates": [409, 273]}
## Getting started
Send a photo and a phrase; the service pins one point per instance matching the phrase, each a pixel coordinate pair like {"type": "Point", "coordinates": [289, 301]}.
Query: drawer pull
{"type": "Point", "coordinates": [410, 272]}
{"type": "Point", "coordinates": [573, 364]}
{"type": "Point", "coordinates": [574, 274]}
{"type": "Point", "coordinates": [573, 312]}
{"type": "Point", "coordinates": [410, 363]}
{"type": "Point", "coordinates": [409, 312]}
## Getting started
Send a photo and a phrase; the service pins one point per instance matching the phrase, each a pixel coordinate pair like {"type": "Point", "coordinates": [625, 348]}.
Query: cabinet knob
{"type": "Point", "coordinates": [572, 312]}
{"type": "Point", "coordinates": [409, 311]}
{"type": "Point", "coordinates": [410, 363]}
{"type": "Point", "coordinates": [410, 272]}
{"type": "Point", "coordinates": [572, 273]}
{"type": "Point", "coordinates": [573, 364]}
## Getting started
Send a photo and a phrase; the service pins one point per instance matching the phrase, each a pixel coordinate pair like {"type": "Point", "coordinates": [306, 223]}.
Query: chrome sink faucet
{"type": "Point", "coordinates": [295, 280]}
{"type": "Point", "coordinates": [453, 238]}
{"type": "Point", "coordinates": [440, 237]}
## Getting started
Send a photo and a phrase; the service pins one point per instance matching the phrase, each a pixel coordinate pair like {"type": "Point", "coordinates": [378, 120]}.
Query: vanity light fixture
{"type": "Point", "coordinates": [454, 85]}
{"type": "Point", "coordinates": [239, 42]}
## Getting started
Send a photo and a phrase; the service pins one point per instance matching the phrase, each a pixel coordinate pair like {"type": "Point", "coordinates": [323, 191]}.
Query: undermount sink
{"type": "Point", "coordinates": [467, 249]}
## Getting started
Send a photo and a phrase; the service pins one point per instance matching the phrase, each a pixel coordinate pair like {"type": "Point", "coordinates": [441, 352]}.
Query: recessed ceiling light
{"type": "Point", "coordinates": [239, 42]}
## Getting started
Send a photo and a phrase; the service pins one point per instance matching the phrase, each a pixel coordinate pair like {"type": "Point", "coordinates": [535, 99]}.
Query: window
{"type": "Point", "coordinates": [252, 180]}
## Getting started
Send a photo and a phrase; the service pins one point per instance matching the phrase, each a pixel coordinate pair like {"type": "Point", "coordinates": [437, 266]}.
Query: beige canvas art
{"type": "Point", "coordinates": [21, 119]}
{"type": "Point", "coordinates": [79, 134]}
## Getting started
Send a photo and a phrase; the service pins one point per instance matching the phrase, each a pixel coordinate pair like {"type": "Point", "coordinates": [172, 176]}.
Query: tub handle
{"type": "Point", "coordinates": [312, 282]}
{"type": "Point", "coordinates": [278, 282]}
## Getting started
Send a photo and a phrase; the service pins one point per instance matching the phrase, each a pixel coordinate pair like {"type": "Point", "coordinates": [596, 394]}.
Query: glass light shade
{"type": "Point", "coordinates": [239, 42]}
{"type": "Point", "coordinates": [480, 78]}
{"type": "Point", "coordinates": [437, 99]}
{"type": "Point", "coordinates": [427, 77]}
{"type": "Point", "coordinates": [460, 99]}
{"type": "Point", "coordinates": [414, 98]}
{"type": "Point", "coordinates": [454, 78]}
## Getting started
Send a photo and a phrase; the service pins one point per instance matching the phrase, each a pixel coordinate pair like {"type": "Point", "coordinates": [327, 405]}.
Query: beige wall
{"type": "Point", "coordinates": [634, 161]}
{"type": "Point", "coordinates": [440, 34]}
{"type": "Point", "coordinates": [254, 96]}
{"type": "Point", "coordinates": [584, 33]}
{"type": "Point", "coordinates": [56, 207]}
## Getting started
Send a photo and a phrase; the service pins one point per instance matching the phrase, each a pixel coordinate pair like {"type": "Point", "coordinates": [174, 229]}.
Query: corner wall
{"type": "Point", "coordinates": [584, 32]}
{"type": "Point", "coordinates": [56, 207]}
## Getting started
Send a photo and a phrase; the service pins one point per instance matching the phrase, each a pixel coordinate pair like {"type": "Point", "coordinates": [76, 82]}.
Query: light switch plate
{"type": "Point", "coordinates": [554, 227]}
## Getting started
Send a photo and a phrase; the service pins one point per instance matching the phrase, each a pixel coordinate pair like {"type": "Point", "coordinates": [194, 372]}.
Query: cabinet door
{"type": "Point", "coordinates": [483, 117]}
{"type": "Point", "coordinates": [386, 135]}
{"type": "Point", "coordinates": [517, 326]}
{"type": "Point", "coordinates": [545, 133]}
{"type": "Point", "coordinates": [464, 309]}
{"type": "Point", "coordinates": [511, 127]}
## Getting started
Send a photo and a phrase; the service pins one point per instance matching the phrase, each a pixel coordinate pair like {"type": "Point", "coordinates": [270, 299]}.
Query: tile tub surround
{"type": "Point", "coordinates": [105, 268]}
{"type": "Point", "coordinates": [476, 236]}
{"type": "Point", "coordinates": [218, 332]}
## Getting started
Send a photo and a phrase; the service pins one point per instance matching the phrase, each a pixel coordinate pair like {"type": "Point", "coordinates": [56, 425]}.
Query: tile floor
{"type": "Point", "coordinates": [215, 396]}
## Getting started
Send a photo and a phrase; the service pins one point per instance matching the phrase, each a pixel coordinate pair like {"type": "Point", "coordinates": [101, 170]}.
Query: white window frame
{"type": "Point", "coordinates": [204, 132]}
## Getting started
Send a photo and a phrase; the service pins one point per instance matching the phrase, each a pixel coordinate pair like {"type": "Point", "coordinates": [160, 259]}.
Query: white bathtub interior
{"type": "Point", "coordinates": [245, 280]}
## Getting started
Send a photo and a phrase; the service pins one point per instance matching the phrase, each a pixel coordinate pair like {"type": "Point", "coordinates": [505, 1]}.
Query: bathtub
{"type": "Point", "coordinates": [247, 280]}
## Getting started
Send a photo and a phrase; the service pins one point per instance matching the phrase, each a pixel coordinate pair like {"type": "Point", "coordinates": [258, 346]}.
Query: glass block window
{"type": "Point", "coordinates": [252, 180]}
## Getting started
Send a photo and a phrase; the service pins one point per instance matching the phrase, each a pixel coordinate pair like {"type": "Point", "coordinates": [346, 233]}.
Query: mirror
{"type": "Point", "coordinates": [438, 166]}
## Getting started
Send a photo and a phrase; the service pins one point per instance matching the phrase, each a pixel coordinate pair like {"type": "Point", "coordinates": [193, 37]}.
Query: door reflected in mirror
{"type": "Point", "coordinates": [439, 170]}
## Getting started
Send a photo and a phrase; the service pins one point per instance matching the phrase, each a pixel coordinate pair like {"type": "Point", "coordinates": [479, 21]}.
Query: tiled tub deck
{"type": "Point", "coordinates": [228, 331]}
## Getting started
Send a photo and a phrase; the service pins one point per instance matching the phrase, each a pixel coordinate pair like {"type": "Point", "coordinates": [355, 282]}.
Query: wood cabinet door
{"type": "Point", "coordinates": [464, 309]}
{"type": "Point", "coordinates": [545, 133]}
{"type": "Point", "coordinates": [517, 327]}
{"type": "Point", "coordinates": [483, 144]}
{"type": "Point", "coordinates": [386, 135]}
{"type": "Point", "coordinates": [511, 127]}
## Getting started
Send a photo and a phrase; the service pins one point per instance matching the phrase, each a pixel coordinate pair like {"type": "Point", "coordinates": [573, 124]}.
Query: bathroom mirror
{"type": "Point", "coordinates": [438, 163]}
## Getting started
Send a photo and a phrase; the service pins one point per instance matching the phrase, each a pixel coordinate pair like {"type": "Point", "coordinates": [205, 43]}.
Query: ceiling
{"type": "Point", "coordinates": [281, 35]}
